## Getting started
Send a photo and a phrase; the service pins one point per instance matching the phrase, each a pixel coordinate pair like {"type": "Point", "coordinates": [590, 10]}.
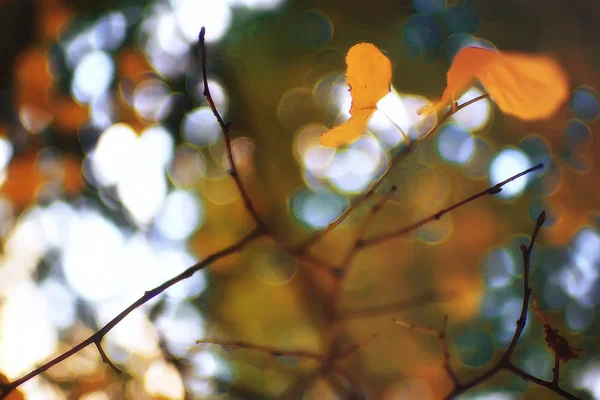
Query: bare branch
{"type": "Point", "coordinates": [526, 253]}
{"type": "Point", "coordinates": [505, 362]}
{"type": "Point", "coordinates": [446, 353]}
{"type": "Point", "coordinates": [417, 328]}
{"type": "Point", "coordinates": [273, 351]}
{"type": "Point", "coordinates": [362, 230]}
{"type": "Point", "coordinates": [547, 384]}
{"type": "Point", "coordinates": [441, 336]}
{"type": "Point", "coordinates": [357, 201]}
{"type": "Point", "coordinates": [105, 358]}
{"type": "Point", "coordinates": [353, 349]}
{"type": "Point", "coordinates": [434, 217]}
{"type": "Point", "coordinates": [148, 295]}
{"type": "Point", "coordinates": [302, 252]}
{"type": "Point", "coordinates": [227, 137]}
{"type": "Point", "coordinates": [376, 311]}
{"type": "Point", "coordinates": [556, 370]}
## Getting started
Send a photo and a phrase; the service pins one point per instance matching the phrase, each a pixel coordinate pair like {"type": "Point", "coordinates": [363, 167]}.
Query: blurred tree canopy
{"type": "Point", "coordinates": [114, 177]}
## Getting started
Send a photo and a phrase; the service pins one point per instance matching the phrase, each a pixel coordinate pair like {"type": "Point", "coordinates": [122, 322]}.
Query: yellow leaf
{"type": "Point", "coordinates": [369, 74]}
{"type": "Point", "coordinates": [347, 131]}
{"type": "Point", "coordinates": [526, 86]}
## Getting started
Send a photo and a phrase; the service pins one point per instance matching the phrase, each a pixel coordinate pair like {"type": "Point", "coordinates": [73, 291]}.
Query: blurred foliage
{"type": "Point", "coordinates": [114, 179]}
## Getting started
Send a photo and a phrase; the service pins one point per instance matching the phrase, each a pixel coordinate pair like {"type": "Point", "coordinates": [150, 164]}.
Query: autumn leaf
{"type": "Point", "coordinates": [526, 86]}
{"type": "Point", "coordinates": [369, 74]}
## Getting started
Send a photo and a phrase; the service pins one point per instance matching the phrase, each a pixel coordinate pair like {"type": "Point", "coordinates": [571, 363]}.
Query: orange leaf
{"type": "Point", "coordinates": [369, 74]}
{"type": "Point", "coordinates": [526, 86]}
{"type": "Point", "coordinates": [348, 131]}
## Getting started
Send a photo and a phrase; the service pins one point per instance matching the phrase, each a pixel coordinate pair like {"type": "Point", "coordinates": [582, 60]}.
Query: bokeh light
{"type": "Point", "coordinates": [498, 268]}
{"type": "Point", "coordinates": [461, 18]}
{"type": "Point", "coordinates": [423, 35]}
{"type": "Point", "coordinates": [191, 15]}
{"type": "Point", "coordinates": [585, 104]}
{"type": "Point", "coordinates": [477, 115]}
{"type": "Point", "coordinates": [111, 155]}
{"type": "Point", "coordinates": [317, 209]}
{"type": "Point", "coordinates": [589, 378]}
{"type": "Point", "coordinates": [429, 6]}
{"type": "Point", "coordinates": [199, 127]}
{"type": "Point", "coordinates": [114, 179]}
{"type": "Point", "coordinates": [180, 215]}
{"type": "Point", "coordinates": [92, 76]}
{"type": "Point", "coordinates": [152, 100]}
{"type": "Point", "coordinates": [352, 170]}
{"type": "Point", "coordinates": [475, 348]}
{"type": "Point", "coordinates": [507, 163]}
{"type": "Point", "coordinates": [163, 380]}
{"type": "Point", "coordinates": [579, 275]}
{"type": "Point", "coordinates": [455, 144]}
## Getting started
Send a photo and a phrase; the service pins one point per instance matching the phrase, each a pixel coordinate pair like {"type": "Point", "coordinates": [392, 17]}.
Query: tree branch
{"type": "Point", "coordinates": [357, 201]}
{"type": "Point", "coordinates": [497, 188]}
{"type": "Point", "coordinates": [301, 252]}
{"type": "Point", "coordinates": [97, 337]}
{"type": "Point", "coordinates": [273, 351]}
{"type": "Point", "coordinates": [505, 362]}
{"type": "Point", "coordinates": [362, 230]}
{"type": "Point", "coordinates": [225, 127]}
{"type": "Point", "coordinates": [376, 311]}
{"type": "Point", "coordinates": [441, 337]}
{"type": "Point", "coordinates": [105, 358]}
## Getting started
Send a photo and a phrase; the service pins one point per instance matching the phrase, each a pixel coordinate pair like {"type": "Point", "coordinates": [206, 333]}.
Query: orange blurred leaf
{"type": "Point", "coordinates": [133, 64]}
{"type": "Point", "coordinates": [24, 178]}
{"type": "Point", "coordinates": [33, 79]}
{"type": "Point", "coordinates": [523, 85]}
{"type": "Point", "coordinates": [369, 74]}
{"type": "Point", "coordinates": [69, 114]}
{"type": "Point", "coordinates": [54, 16]}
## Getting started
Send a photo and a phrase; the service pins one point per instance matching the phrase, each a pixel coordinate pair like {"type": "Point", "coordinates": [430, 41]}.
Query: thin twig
{"type": "Point", "coordinates": [505, 363]}
{"type": "Point", "coordinates": [446, 354]}
{"type": "Point", "coordinates": [148, 295]}
{"type": "Point", "coordinates": [226, 129]}
{"type": "Point", "coordinates": [547, 384]}
{"type": "Point", "coordinates": [261, 230]}
{"type": "Point", "coordinates": [526, 253]}
{"type": "Point", "coordinates": [362, 229]}
{"type": "Point", "coordinates": [340, 271]}
{"type": "Point", "coordinates": [302, 256]}
{"type": "Point", "coordinates": [497, 188]}
{"type": "Point", "coordinates": [441, 337]}
{"type": "Point", "coordinates": [273, 351]}
{"type": "Point", "coordinates": [357, 201]}
{"type": "Point", "coordinates": [226, 136]}
{"type": "Point", "coordinates": [556, 370]}
{"type": "Point", "coordinates": [402, 305]}
{"type": "Point", "coordinates": [353, 349]}
{"type": "Point", "coordinates": [417, 328]}
{"type": "Point", "coordinates": [105, 358]}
